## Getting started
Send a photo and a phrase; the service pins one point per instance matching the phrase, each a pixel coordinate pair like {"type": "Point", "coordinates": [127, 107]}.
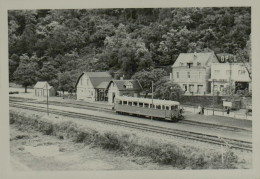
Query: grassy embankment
{"type": "Point", "coordinates": [181, 157]}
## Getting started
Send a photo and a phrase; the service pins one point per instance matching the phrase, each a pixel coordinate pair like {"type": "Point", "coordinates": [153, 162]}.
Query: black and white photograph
{"type": "Point", "coordinates": [130, 89]}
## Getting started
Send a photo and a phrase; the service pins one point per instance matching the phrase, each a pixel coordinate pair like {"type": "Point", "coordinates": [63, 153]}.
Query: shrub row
{"type": "Point", "coordinates": [181, 157]}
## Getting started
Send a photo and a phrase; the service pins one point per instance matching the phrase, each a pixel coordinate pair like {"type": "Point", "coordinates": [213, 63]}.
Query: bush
{"type": "Point", "coordinates": [130, 144]}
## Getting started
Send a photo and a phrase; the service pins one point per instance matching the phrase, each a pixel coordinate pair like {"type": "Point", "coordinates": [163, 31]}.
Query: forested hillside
{"type": "Point", "coordinates": [57, 45]}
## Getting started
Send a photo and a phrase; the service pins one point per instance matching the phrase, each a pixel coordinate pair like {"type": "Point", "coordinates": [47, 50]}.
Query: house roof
{"type": "Point", "coordinates": [185, 58]}
{"type": "Point", "coordinates": [103, 85]}
{"type": "Point", "coordinates": [42, 84]}
{"type": "Point", "coordinates": [121, 85]}
{"type": "Point", "coordinates": [96, 78]}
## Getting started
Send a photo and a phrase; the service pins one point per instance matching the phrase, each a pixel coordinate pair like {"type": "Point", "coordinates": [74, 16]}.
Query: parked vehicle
{"type": "Point", "coordinates": [164, 109]}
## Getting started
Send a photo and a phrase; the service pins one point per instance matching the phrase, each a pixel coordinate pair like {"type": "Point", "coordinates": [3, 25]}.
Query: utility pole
{"type": "Point", "coordinates": [47, 99]}
{"type": "Point", "coordinates": [230, 84]}
{"type": "Point", "coordinates": [152, 99]}
{"type": "Point", "coordinates": [213, 89]}
{"type": "Point", "coordinates": [59, 84]}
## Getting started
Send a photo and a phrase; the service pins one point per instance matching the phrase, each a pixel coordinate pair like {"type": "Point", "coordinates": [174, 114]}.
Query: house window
{"type": "Point", "coordinates": [189, 64]}
{"type": "Point", "coordinates": [221, 88]}
{"type": "Point", "coordinates": [215, 88]}
{"type": "Point", "coordinates": [185, 87]}
{"type": "Point", "coordinates": [128, 85]}
{"type": "Point", "coordinates": [177, 74]}
{"type": "Point", "coordinates": [188, 74]}
{"type": "Point", "coordinates": [191, 88]}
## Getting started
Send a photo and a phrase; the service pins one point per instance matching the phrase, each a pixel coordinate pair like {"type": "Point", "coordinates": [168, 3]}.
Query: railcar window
{"type": "Point", "coordinates": [146, 105]}
{"type": "Point", "coordinates": [158, 106]}
{"type": "Point", "coordinates": [163, 107]}
{"type": "Point", "coordinates": [172, 107]}
{"type": "Point", "coordinates": [135, 104]}
{"type": "Point", "coordinates": [125, 102]}
{"type": "Point", "coordinates": [130, 103]}
{"type": "Point", "coordinates": [152, 106]}
{"type": "Point", "coordinates": [120, 102]}
{"type": "Point", "coordinates": [141, 104]}
{"type": "Point", "coordinates": [167, 107]}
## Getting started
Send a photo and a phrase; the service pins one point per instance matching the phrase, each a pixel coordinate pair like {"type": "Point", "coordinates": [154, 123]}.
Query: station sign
{"type": "Point", "coordinates": [227, 58]}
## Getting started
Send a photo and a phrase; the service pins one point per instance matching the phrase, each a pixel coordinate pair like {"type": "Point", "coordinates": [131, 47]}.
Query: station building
{"type": "Point", "coordinates": [116, 88]}
{"type": "Point", "coordinates": [91, 86]}
{"type": "Point", "coordinates": [192, 71]}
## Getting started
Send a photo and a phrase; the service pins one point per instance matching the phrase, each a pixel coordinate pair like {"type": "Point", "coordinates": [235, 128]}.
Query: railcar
{"type": "Point", "coordinates": [164, 109]}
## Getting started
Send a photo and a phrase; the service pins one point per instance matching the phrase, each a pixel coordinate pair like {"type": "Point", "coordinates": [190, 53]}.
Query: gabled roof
{"type": "Point", "coordinates": [121, 85]}
{"type": "Point", "coordinates": [96, 78]}
{"type": "Point", "coordinates": [42, 84]}
{"type": "Point", "coordinates": [185, 58]}
{"type": "Point", "coordinates": [103, 85]}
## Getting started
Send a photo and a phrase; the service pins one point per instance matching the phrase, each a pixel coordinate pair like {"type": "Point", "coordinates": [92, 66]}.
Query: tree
{"type": "Point", "coordinates": [168, 90]}
{"type": "Point", "coordinates": [146, 77]}
{"type": "Point", "coordinates": [66, 82]}
{"type": "Point", "coordinates": [244, 56]}
{"type": "Point", "coordinates": [26, 73]}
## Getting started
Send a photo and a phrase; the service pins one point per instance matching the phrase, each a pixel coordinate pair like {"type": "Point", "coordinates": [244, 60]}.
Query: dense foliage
{"type": "Point", "coordinates": [60, 44]}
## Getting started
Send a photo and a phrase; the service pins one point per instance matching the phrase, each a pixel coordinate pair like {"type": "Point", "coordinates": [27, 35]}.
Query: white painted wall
{"type": "Point", "coordinates": [112, 89]}
{"type": "Point", "coordinates": [222, 71]}
{"type": "Point", "coordinates": [85, 89]}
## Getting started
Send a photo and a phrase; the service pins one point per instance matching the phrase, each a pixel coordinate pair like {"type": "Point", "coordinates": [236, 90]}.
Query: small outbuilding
{"type": "Point", "coordinates": [116, 88]}
{"type": "Point", "coordinates": [42, 88]}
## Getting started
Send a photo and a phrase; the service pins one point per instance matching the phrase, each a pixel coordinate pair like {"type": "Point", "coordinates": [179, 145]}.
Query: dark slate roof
{"type": "Point", "coordinates": [121, 85]}
{"type": "Point", "coordinates": [96, 78]}
{"type": "Point", "coordinates": [96, 81]}
{"type": "Point", "coordinates": [103, 85]}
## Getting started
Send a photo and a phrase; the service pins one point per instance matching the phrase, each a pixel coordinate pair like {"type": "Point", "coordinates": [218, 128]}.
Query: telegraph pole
{"type": "Point", "coordinates": [47, 99]}
{"type": "Point", "coordinates": [152, 99]}
{"type": "Point", "coordinates": [213, 89]}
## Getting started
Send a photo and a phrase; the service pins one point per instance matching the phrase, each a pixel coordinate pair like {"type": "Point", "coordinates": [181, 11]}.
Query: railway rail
{"type": "Point", "coordinates": [211, 139]}
{"type": "Point", "coordinates": [95, 108]}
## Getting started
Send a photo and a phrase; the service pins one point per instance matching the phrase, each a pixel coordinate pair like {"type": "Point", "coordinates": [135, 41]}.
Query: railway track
{"type": "Point", "coordinates": [95, 108]}
{"type": "Point", "coordinates": [211, 139]}
{"type": "Point", "coordinates": [67, 104]}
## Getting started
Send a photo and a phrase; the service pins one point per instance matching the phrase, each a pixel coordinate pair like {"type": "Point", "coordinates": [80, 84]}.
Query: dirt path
{"type": "Point", "coordinates": [31, 150]}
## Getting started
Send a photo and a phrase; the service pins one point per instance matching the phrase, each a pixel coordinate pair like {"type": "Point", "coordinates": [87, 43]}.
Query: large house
{"type": "Point", "coordinates": [229, 74]}
{"type": "Point", "coordinates": [123, 88]}
{"type": "Point", "coordinates": [91, 86]}
{"type": "Point", "coordinates": [42, 88]}
{"type": "Point", "coordinates": [192, 71]}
